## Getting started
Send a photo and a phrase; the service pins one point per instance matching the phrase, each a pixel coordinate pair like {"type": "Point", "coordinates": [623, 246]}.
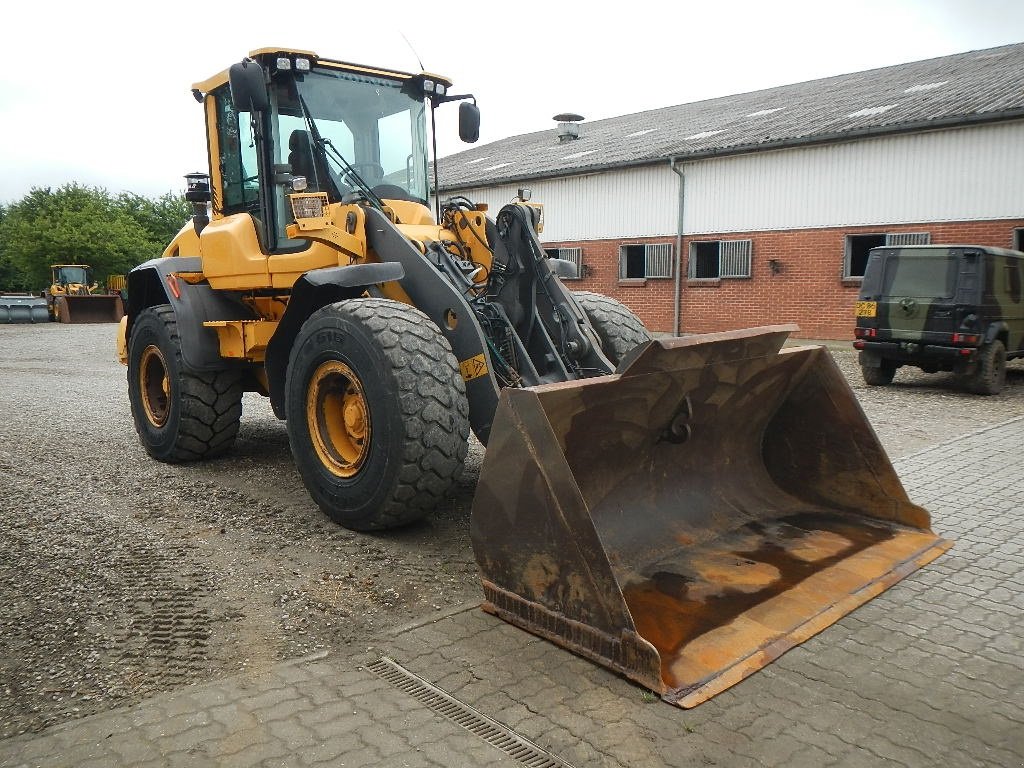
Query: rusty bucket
{"type": "Point", "coordinates": [685, 521]}
{"type": "Point", "coordinates": [90, 308]}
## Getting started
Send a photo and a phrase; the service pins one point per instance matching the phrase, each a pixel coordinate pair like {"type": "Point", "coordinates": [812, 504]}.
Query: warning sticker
{"type": "Point", "coordinates": [473, 367]}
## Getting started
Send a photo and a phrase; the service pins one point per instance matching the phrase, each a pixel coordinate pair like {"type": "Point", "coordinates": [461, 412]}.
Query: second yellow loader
{"type": "Point", "coordinates": [73, 297]}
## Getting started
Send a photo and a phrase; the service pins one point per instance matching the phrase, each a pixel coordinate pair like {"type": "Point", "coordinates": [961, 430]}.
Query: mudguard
{"type": "Point", "coordinates": [149, 284]}
{"type": "Point", "coordinates": [315, 289]}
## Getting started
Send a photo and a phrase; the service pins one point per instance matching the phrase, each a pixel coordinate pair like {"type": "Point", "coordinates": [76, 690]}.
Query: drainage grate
{"type": "Point", "coordinates": [491, 731]}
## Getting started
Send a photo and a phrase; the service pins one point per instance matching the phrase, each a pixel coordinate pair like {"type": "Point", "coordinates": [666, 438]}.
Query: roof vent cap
{"type": "Point", "coordinates": [567, 128]}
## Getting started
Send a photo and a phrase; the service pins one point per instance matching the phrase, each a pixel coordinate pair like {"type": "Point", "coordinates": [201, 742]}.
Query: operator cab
{"type": "Point", "coordinates": [286, 121]}
{"type": "Point", "coordinates": [71, 274]}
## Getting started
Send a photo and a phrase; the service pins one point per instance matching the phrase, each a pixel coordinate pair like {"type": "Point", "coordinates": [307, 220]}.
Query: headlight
{"type": "Point", "coordinates": [301, 65]}
{"type": "Point", "coordinates": [308, 206]}
{"type": "Point", "coordinates": [283, 62]}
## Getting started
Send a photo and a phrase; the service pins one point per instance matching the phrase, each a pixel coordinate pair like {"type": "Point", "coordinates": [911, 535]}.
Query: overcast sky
{"type": "Point", "coordinates": [99, 92]}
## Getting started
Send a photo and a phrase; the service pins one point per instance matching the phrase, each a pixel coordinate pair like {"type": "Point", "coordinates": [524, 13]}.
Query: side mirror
{"type": "Point", "coordinates": [248, 86]}
{"type": "Point", "coordinates": [469, 122]}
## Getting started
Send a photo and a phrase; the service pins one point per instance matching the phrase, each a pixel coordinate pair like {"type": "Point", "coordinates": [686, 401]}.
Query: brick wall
{"type": "Point", "coordinates": [808, 289]}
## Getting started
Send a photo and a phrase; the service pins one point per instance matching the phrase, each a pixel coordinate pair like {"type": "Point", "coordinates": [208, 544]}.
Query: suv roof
{"type": "Point", "coordinates": [945, 246]}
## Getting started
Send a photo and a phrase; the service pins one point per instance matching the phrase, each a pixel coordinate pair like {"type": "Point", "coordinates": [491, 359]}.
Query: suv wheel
{"type": "Point", "coordinates": [882, 374]}
{"type": "Point", "coordinates": [990, 375]}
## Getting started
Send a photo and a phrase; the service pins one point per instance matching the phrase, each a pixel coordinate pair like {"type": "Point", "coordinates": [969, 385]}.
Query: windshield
{"type": "Point", "coordinates": [71, 275]}
{"type": "Point", "coordinates": [377, 128]}
{"type": "Point", "coordinates": [926, 274]}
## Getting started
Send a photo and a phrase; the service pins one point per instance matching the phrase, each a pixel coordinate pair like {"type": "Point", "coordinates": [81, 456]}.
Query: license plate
{"type": "Point", "coordinates": [866, 309]}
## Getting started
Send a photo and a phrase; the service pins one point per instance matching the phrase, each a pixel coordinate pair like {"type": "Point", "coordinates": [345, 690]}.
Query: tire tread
{"type": "Point", "coordinates": [211, 404]}
{"type": "Point", "coordinates": [435, 411]}
{"type": "Point", "coordinates": [618, 328]}
{"type": "Point", "coordinates": [990, 375]}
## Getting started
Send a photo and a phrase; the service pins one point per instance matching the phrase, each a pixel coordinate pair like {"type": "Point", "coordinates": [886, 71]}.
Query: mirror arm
{"type": "Point", "coordinates": [454, 97]}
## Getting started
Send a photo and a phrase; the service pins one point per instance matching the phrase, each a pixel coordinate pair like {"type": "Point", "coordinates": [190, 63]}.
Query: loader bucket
{"type": "Point", "coordinates": [688, 519]}
{"type": "Point", "coordinates": [96, 308]}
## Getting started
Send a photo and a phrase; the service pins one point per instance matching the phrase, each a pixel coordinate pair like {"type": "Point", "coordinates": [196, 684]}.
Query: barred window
{"type": "Point", "coordinates": [643, 260]}
{"type": "Point", "coordinates": [908, 238]}
{"type": "Point", "coordinates": [575, 255]}
{"type": "Point", "coordinates": [712, 259]}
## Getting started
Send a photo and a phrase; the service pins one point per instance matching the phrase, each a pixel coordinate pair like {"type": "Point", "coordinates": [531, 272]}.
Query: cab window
{"type": "Point", "coordinates": [237, 158]}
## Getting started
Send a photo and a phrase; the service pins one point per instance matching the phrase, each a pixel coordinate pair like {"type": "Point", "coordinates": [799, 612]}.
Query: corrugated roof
{"type": "Point", "coordinates": [977, 86]}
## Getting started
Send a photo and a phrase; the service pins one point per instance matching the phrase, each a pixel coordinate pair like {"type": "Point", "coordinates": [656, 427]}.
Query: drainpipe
{"type": "Point", "coordinates": [678, 170]}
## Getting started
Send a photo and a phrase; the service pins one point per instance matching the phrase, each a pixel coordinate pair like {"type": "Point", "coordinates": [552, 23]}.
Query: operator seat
{"type": "Point", "coordinates": [304, 161]}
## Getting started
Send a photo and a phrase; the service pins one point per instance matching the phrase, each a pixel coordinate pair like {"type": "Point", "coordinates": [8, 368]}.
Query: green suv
{"type": "Point", "coordinates": [941, 308]}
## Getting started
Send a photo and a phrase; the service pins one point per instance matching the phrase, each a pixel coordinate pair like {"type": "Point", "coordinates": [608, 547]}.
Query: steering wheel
{"type": "Point", "coordinates": [371, 173]}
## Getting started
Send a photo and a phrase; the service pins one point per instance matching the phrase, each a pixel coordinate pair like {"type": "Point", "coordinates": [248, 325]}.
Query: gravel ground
{"type": "Point", "coordinates": [121, 577]}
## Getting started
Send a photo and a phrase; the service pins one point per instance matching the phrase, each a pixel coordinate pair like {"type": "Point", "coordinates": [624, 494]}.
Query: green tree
{"type": "Point", "coordinates": [77, 224]}
{"type": "Point", "coordinates": [11, 278]}
{"type": "Point", "coordinates": [161, 217]}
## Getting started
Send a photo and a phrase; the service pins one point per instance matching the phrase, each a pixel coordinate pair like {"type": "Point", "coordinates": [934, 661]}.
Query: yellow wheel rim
{"type": "Point", "coordinates": [338, 418]}
{"type": "Point", "coordinates": [155, 385]}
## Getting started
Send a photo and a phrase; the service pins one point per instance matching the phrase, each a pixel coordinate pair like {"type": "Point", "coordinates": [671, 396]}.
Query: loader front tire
{"type": "Point", "coordinates": [378, 419]}
{"type": "Point", "coordinates": [618, 328]}
{"type": "Point", "coordinates": [179, 415]}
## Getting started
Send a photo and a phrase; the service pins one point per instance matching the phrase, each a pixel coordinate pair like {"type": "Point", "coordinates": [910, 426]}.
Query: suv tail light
{"type": "Point", "coordinates": [865, 333]}
{"type": "Point", "coordinates": [966, 338]}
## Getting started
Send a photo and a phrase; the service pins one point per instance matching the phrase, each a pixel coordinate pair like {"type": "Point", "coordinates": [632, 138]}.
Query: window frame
{"type": "Point", "coordinates": [745, 246]}
{"type": "Point", "coordinates": [889, 239]}
{"type": "Point", "coordinates": [572, 254]}
{"type": "Point", "coordinates": [655, 255]}
{"type": "Point", "coordinates": [235, 149]}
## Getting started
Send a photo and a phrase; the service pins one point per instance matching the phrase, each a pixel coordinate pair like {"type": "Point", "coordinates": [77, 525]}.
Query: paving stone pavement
{"type": "Point", "coordinates": [929, 673]}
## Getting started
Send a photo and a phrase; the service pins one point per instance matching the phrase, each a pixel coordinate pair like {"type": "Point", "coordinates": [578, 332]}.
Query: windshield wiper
{"type": "Point", "coordinates": [346, 167]}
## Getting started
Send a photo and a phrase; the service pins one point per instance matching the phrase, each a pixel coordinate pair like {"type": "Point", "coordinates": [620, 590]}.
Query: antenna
{"type": "Point", "coordinates": [418, 59]}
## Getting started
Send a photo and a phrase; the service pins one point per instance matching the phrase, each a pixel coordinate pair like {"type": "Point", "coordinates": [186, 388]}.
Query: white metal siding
{"type": "Point", "coordinates": [953, 175]}
{"type": "Point", "coordinates": [961, 174]}
{"type": "Point", "coordinates": [634, 202]}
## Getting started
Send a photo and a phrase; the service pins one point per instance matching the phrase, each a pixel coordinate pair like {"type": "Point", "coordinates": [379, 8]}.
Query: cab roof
{"type": "Point", "coordinates": [205, 86]}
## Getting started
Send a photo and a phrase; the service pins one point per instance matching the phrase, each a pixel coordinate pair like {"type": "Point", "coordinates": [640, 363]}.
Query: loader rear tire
{"type": "Point", "coordinates": [618, 328]}
{"type": "Point", "coordinates": [179, 415]}
{"type": "Point", "coordinates": [378, 419]}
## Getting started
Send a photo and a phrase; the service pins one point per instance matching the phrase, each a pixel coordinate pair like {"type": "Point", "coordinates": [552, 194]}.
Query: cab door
{"type": "Point", "coordinates": [232, 245]}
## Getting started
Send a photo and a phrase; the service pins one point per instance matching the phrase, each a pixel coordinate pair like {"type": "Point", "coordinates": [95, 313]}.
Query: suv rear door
{"type": "Point", "coordinates": [918, 294]}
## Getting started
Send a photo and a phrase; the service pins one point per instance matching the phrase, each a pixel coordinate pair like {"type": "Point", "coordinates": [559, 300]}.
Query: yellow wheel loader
{"type": "Point", "coordinates": [73, 297]}
{"type": "Point", "coordinates": [682, 511]}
